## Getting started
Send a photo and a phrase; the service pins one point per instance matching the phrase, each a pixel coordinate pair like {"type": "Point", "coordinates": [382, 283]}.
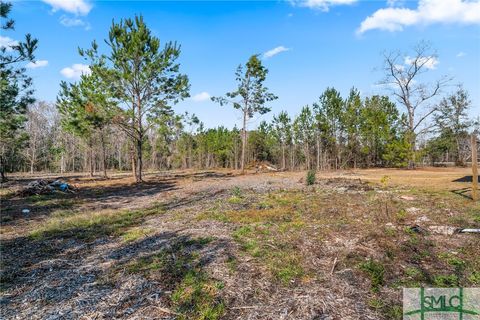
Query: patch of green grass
{"type": "Point", "coordinates": [213, 214]}
{"type": "Point", "coordinates": [476, 216]}
{"type": "Point", "coordinates": [174, 261]}
{"type": "Point", "coordinates": [456, 262]}
{"type": "Point", "coordinates": [474, 278]}
{"type": "Point", "coordinates": [401, 215]}
{"type": "Point", "coordinates": [197, 297]}
{"type": "Point", "coordinates": [447, 281]}
{"type": "Point", "coordinates": [281, 259]}
{"type": "Point", "coordinates": [376, 271]}
{"type": "Point", "coordinates": [393, 311]}
{"type": "Point", "coordinates": [391, 232]}
{"type": "Point", "coordinates": [412, 272]}
{"type": "Point", "coordinates": [235, 200]}
{"type": "Point", "coordinates": [285, 199]}
{"type": "Point", "coordinates": [296, 224]}
{"type": "Point", "coordinates": [375, 303]}
{"type": "Point", "coordinates": [91, 225]}
{"type": "Point", "coordinates": [135, 234]}
{"type": "Point", "coordinates": [264, 205]}
{"type": "Point", "coordinates": [237, 192]}
{"type": "Point", "coordinates": [286, 268]}
{"type": "Point", "coordinates": [232, 264]}
{"type": "Point", "coordinates": [51, 200]}
{"type": "Point", "coordinates": [241, 232]}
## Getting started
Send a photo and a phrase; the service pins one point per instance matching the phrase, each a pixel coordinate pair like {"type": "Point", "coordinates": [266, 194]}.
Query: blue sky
{"type": "Point", "coordinates": [319, 43]}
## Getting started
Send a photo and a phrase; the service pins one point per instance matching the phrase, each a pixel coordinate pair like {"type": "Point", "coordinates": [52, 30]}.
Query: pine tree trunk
{"type": "Point", "coordinates": [235, 154]}
{"type": "Point", "coordinates": [32, 164]}
{"type": "Point", "coordinates": [62, 164]}
{"type": "Point", "coordinates": [138, 176]}
{"type": "Point", "coordinates": [292, 158]}
{"type": "Point", "coordinates": [244, 141]}
{"type": "Point", "coordinates": [119, 160]}
{"type": "Point", "coordinates": [91, 161]}
{"type": "Point", "coordinates": [104, 156]}
{"type": "Point", "coordinates": [132, 156]}
{"type": "Point", "coordinates": [2, 166]}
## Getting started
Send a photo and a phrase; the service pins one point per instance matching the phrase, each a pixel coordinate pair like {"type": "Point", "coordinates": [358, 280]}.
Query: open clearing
{"type": "Point", "coordinates": [217, 245]}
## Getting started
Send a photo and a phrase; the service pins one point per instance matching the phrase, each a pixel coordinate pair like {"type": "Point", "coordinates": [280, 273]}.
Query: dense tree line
{"type": "Point", "coordinates": [120, 116]}
{"type": "Point", "coordinates": [335, 132]}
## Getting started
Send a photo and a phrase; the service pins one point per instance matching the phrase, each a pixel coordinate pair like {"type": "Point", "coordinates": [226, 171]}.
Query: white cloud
{"type": "Point", "coordinates": [323, 5]}
{"type": "Point", "coordinates": [8, 43]}
{"type": "Point", "coordinates": [429, 62]}
{"type": "Point", "coordinates": [202, 96]}
{"type": "Point", "coordinates": [78, 7]}
{"type": "Point", "coordinates": [74, 22]}
{"type": "Point", "coordinates": [395, 3]}
{"type": "Point", "coordinates": [461, 54]}
{"type": "Point", "coordinates": [274, 51]}
{"type": "Point", "coordinates": [427, 12]}
{"type": "Point", "coordinates": [37, 64]}
{"type": "Point", "coordinates": [75, 71]}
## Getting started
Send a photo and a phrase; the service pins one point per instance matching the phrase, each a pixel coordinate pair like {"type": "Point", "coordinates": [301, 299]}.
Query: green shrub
{"type": "Point", "coordinates": [237, 192]}
{"type": "Point", "coordinates": [474, 278]}
{"type": "Point", "coordinates": [310, 177]}
{"type": "Point", "coordinates": [447, 281]}
{"type": "Point", "coordinates": [376, 271]}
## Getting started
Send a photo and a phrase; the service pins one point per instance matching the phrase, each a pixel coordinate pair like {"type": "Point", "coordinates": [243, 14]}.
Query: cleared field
{"type": "Point", "coordinates": [217, 245]}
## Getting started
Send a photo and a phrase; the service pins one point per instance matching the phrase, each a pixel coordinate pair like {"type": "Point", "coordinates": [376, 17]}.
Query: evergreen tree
{"type": "Point", "coordinates": [252, 95]}
{"type": "Point", "coordinates": [328, 115]}
{"type": "Point", "coordinates": [304, 129]}
{"type": "Point", "coordinates": [351, 124]}
{"type": "Point", "coordinates": [452, 122]}
{"type": "Point", "coordinates": [282, 129]}
{"type": "Point", "coordinates": [144, 77]}
{"type": "Point", "coordinates": [16, 91]}
{"type": "Point", "coordinates": [87, 108]}
{"type": "Point", "coordinates": [382, 131]}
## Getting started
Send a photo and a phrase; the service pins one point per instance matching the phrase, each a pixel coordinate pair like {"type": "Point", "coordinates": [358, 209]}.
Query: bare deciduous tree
{"type": "Point", "coordinates": [402, 75]}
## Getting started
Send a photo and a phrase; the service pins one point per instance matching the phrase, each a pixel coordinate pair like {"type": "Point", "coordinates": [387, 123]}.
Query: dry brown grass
{"type": "Point", "coordinates": [275, 246]}
{"type": "Point", "coordinates": [426, 178]}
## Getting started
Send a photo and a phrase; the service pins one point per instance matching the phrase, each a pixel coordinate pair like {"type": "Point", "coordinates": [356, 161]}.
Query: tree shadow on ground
{"type": "Point", "coordinates": [73, 276]}
{"type": "Point", "coordinates": [121, 191]}
{"type": "Point", "coordinates": [466, 179]}
{"type": "Point", "coordinates": [463, 192]}
{"type": "Point", "coordinates": [43, 205]}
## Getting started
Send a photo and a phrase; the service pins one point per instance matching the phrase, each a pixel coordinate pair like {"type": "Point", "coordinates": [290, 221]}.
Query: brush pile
{"type": "Point", "coordinates": [43, 186]}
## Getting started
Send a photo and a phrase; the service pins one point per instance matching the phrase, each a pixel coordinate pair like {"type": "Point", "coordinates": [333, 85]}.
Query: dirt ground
{"type": "Point", "coordinates": [219, 245]}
